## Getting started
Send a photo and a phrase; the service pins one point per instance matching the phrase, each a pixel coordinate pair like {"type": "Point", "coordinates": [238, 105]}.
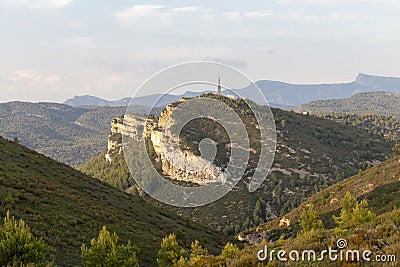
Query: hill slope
{"type": "Point", "coordinates": [68, 208]}
{"type": "Point", "coordinates": [379, 233]}
{"type": "Point", "coordinates": [386, 126]}
{"type": "Point", "coordinates": [379, 185]}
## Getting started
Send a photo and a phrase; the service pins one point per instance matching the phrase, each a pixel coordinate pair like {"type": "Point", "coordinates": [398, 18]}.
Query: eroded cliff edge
{"type": "Point", "coordinates": [176, 163]}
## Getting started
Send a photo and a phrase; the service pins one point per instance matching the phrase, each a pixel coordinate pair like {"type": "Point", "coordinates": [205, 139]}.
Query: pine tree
{"type": "Point", "coordinates": [105, 251]}
{"type": "Point", "coordinates": [229, 250]}
{"type": "Point", "coordinates": [197, 252]}
{"type": "Point", "coordinates": [182, 262]}
{"type": "Point", "coordinates": [353, 213]}
{"type": "Point", "coordinates": [18, 247]}
{"type": "Point", "coordinates": [170, 251]}
{"type": "Point", "coordinates": [309, 220]}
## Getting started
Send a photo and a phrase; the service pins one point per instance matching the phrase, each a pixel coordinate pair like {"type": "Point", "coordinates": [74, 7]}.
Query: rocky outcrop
{"type": "Point", "coordinates": [129, 125]}
{"type": "Point", "coordinates": [284, 222]}
{"type": "Point", "coordinates": [254, 238]}
{"type": "Point", "coordinates": [176, 164]}
{"type": "Point", "coordinates": [115, 139]}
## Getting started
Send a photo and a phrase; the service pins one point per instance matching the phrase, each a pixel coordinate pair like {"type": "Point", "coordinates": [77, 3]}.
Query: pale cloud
{"type": "Point", "coordinates": [33, 85]}
{"type": "Point", "coordinates": [258, 14]}
{"type": "Point", "coordinates": [42, 85]}
{"type": "Point", "coordinates": [187, 9]}
{"type": "Point", "coordinates": [163, 15]}
{"type": "Point", "coordinates": [35, 4]}
{"type": "Point", "coordinates": [333, 17]}
{"type": "Point", "coordinates": [239, 16]}
{"type": "Point", "coordinates": [32, 77]}
{"type": "Point", "coordinates": [138, 13]}
{"type": "Point", "coordinates": [205, 14]}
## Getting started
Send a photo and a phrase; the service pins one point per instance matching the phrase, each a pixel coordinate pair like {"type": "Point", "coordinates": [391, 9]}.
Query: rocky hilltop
{"type": "Point", "coordinates": [312, 153]}
{"type": "Point", "coordinates": [175, 163]}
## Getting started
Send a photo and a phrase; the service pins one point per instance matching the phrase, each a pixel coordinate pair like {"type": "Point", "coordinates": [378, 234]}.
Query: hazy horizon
{"type": "Point", "coordinates": [180, 92]}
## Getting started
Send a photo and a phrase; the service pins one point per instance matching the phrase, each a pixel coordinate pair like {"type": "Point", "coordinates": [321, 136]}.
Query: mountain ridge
{"type": "Point", "coordinates": [279, 94]}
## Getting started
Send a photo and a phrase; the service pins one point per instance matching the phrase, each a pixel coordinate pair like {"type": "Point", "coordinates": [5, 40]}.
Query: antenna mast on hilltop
{"type": "Point", "coordinates": [219, 86]}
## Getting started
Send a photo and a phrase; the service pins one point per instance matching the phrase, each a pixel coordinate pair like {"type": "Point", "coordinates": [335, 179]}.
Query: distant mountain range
{"type": "Point", "coordinates": [159, 99]}
{"type": "Point", "coordinates": [279, 94]}
{"type": "Point", "coordinates": [93, 101]}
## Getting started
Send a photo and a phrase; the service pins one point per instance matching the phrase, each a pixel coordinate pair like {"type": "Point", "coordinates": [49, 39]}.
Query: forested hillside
{"type": "Point", "coordinates": [67, 208]}
{"type": "Point", "coordinates": [312, 153]}
{"type": "Point", "coordinates": [387, 126]}
{"type": "Point", "coordinates": [71, 135]}
{"type": "Point", "coordinates": [378, 185]}
{"type": "Point", "coordinates": [362, 210]}
{"type": "Point", "coordinates": [372, 103]}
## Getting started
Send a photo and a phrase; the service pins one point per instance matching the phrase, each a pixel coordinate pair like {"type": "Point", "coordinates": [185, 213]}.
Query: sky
{"type": "Point", "coordinates": [52, 50]}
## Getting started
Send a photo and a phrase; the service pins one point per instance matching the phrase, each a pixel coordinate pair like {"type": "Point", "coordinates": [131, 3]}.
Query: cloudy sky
{"type": "Point", "coordinates": [51, 50]}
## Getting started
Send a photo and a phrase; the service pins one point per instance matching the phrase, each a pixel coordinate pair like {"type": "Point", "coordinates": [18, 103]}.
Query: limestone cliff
{"type": "Point", "coordinates": [176, 164]}
{"type": "Point", "coordinates": [115, 139]}
{"type": "Point", "coordinates": [130, 125]}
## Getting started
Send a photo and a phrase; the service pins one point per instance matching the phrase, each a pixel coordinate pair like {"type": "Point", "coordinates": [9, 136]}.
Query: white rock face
{"type": "Point", "coordinates": [134, 126]}
{"type": "Point", "coordinates": [188, 167]}
{"type": "Point", "coordinates": [176, 164]}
